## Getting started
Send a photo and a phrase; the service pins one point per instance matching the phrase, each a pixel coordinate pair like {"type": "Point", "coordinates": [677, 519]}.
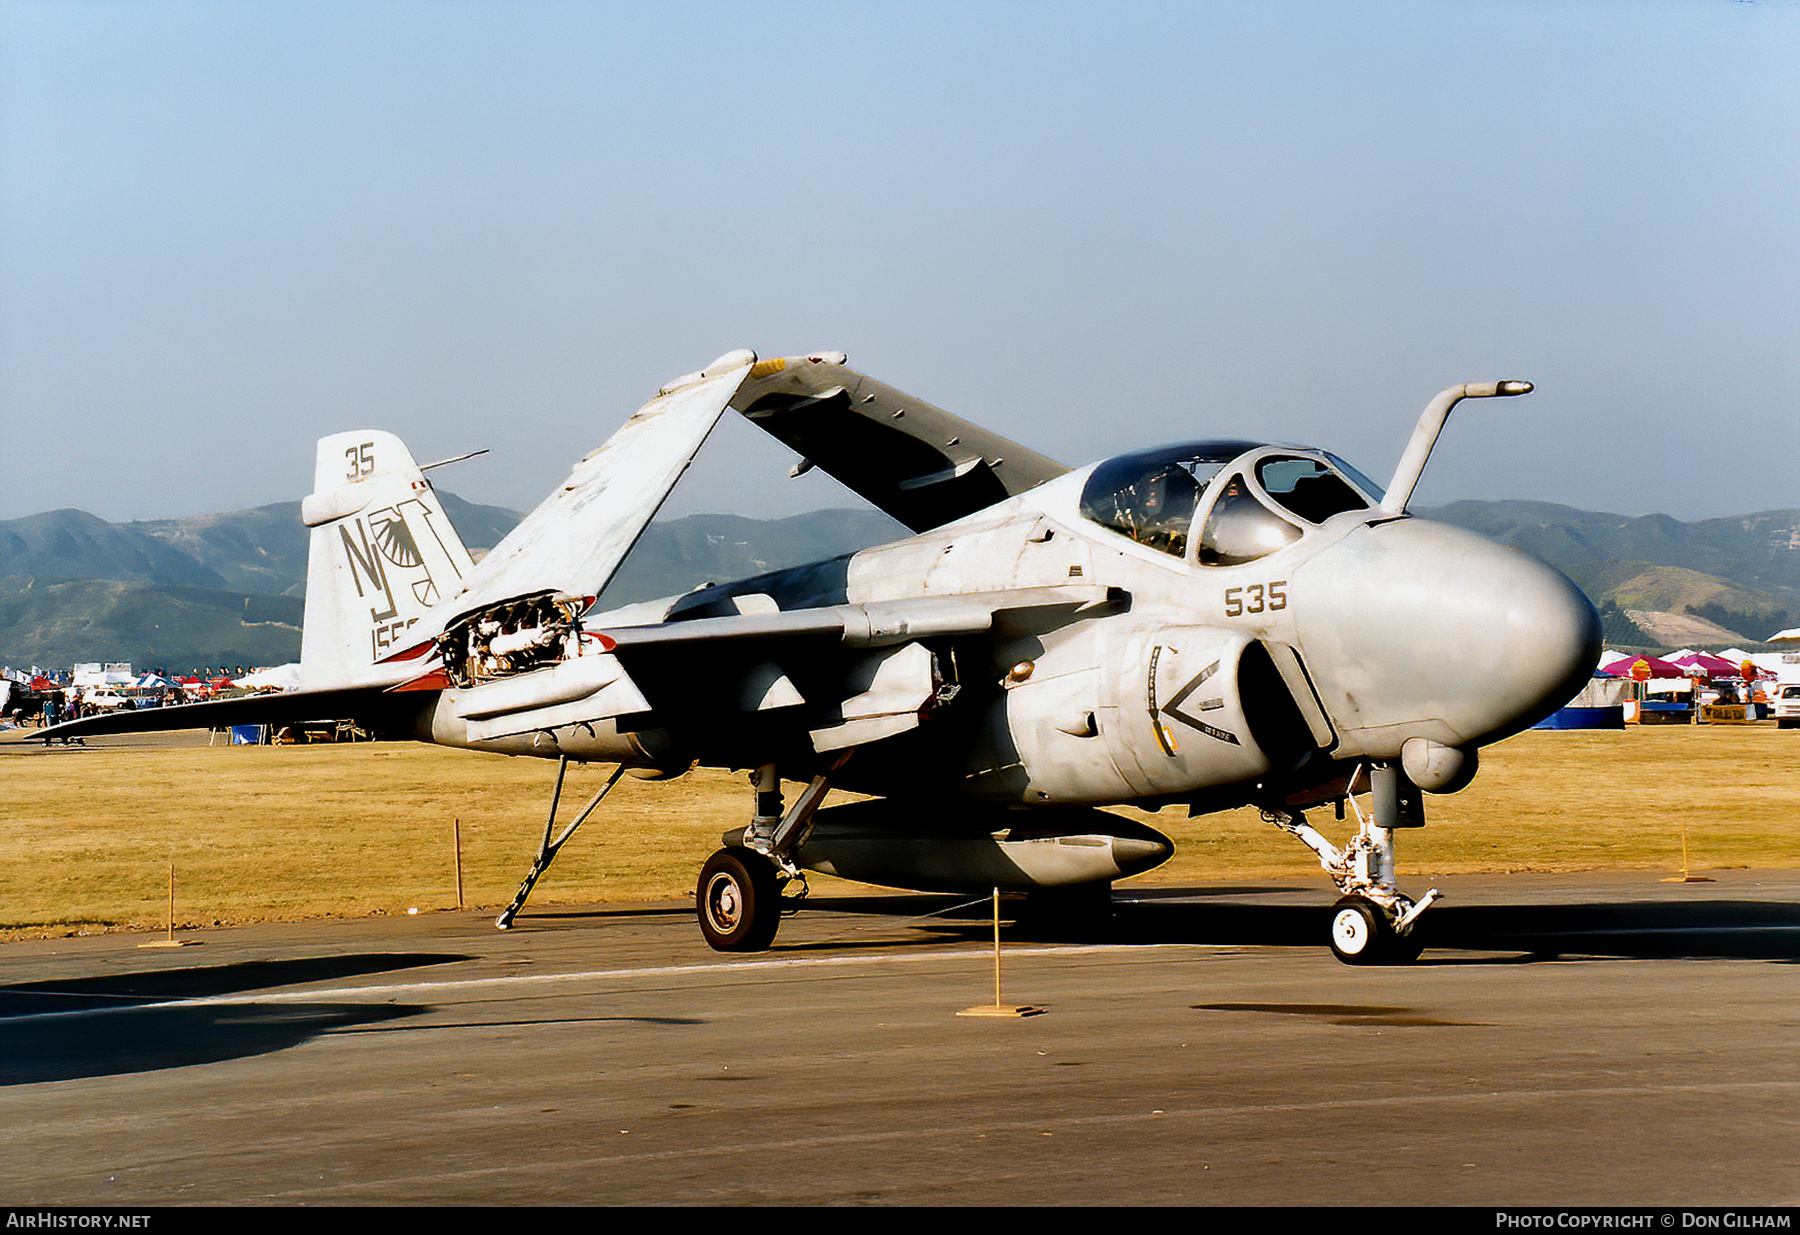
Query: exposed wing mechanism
{"type": "Point", "coordinates": [573, 543]}
{"type": "Point", "coordinates": [915, 461]}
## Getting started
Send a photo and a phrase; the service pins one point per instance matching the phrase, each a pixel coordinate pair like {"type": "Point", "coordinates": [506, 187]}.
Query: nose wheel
{"type": "Point", "coordinates": [1361, 934]}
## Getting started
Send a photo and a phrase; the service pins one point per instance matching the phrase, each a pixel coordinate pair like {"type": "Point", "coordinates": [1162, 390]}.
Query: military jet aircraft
{"type": "Point", "coordinates": [1197, 627]}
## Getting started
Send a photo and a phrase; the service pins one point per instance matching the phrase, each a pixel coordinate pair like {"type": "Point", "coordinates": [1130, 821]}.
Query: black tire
{"type": "Point", "coordinates": [1360, 934]}
{"type": "Point", "coordinates": [738, 901]}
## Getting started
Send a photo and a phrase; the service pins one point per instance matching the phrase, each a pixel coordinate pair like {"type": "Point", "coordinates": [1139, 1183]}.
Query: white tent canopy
{"type": "Point", "coordinates": [281, 677]}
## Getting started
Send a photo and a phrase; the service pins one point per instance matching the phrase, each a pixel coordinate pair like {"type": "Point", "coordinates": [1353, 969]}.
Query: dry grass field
{"type": "Point", "coordinates": [261, 833]}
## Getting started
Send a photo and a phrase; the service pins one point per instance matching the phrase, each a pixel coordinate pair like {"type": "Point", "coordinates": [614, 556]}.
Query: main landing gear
{"type": "Point", "coordinates": [739, 898]}
{"type": "Point", "coordinates": [1372, 923]}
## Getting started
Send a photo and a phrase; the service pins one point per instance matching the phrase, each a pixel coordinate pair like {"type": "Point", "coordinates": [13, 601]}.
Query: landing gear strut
{"type": "Point", "coordinates": [548, 850]}
{"type": "Point", "coordinates": [1372, 924]}
{"type": "Point", "coordinates": [739, 896]}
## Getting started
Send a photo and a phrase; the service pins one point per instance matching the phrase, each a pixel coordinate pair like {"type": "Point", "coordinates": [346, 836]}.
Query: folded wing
{"type": "Point", "coordinates": [915, 461]}
{"type": "Point", "coordinates": [573, 543]}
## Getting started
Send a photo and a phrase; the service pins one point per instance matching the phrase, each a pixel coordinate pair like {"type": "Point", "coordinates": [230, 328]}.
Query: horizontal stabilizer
{"type": "Point", "coordinates": [369, 706]}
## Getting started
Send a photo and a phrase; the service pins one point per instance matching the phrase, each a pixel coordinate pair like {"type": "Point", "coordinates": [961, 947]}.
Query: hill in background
{"type": "Point", "coordinates": [227, 588]}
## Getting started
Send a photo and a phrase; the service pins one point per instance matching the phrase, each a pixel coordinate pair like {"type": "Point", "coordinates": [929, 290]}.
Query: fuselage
{"type": "Point", "coordinates": [1272, 627]}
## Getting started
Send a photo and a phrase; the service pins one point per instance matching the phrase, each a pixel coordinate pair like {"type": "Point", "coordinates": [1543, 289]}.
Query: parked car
{"type": "Point", "coordinates": [105, 699]}
{"type": "Point", "coordinates": [1787, 706]}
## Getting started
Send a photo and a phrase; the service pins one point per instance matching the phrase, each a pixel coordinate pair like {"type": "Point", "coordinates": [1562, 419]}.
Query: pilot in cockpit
{"type": "Point", "coordinates": [1156, 509]}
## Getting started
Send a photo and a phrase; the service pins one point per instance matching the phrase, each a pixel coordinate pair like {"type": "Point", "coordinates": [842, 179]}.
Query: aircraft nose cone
{"type": "Point", "coordinates": [1427, 630]}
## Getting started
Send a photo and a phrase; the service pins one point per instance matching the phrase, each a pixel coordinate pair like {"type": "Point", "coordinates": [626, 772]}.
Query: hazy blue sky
{"type": "Point", "coordinates": [228, 229]}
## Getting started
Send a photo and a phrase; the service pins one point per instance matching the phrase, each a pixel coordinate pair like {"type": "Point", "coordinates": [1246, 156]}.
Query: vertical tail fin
{"type": "Point", "coordinates": [382, 553]}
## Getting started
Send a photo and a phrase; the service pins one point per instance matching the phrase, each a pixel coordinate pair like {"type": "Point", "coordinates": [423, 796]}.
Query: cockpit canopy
{"type": "Point", "coordinates": [1246, 500]}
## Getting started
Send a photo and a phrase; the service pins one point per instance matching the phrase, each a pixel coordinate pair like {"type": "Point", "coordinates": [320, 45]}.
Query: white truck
{"type": "Point", "coordinates": [1787, 705]}
{"type": "Point", "coordinates": [106, 699]}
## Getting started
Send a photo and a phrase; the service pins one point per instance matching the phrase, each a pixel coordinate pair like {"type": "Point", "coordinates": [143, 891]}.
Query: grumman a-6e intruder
{"type": "Point", "coordinates": [1200, 626]}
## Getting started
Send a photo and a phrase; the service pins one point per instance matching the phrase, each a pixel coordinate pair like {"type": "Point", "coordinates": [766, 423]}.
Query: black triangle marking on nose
{"type": "Point", "coordinates": [1173, 708]}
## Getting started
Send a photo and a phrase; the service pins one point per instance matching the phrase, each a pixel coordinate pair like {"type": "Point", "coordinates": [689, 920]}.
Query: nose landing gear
{"type": "Point", "coordinates": [1372, 923]}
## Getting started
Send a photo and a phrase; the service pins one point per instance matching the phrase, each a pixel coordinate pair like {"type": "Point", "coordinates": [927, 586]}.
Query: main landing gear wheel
{"type": "Point", "coordinates": [1362, 935]}
{"type": "Point", "coordinates": [738, 900]}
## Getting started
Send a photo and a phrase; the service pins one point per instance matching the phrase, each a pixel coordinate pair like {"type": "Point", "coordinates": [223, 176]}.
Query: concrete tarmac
{"type": "Point", "coordinates": [1592, 1039]}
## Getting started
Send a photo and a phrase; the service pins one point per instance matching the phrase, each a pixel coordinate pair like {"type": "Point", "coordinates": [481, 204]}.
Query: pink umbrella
{"type": "Point", "coordinates": [1658, 668]}
{"type": "Point", "coordinates": [1712, 666]}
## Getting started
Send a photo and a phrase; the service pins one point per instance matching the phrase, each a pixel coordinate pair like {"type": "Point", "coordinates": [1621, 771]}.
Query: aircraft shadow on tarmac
{"type": "Point", "coordinates": [113, 1024]}
{"type": "Point", "coordinates": [1488, 934]}
{"type": "Point", "coordinates": [139, 1022]}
